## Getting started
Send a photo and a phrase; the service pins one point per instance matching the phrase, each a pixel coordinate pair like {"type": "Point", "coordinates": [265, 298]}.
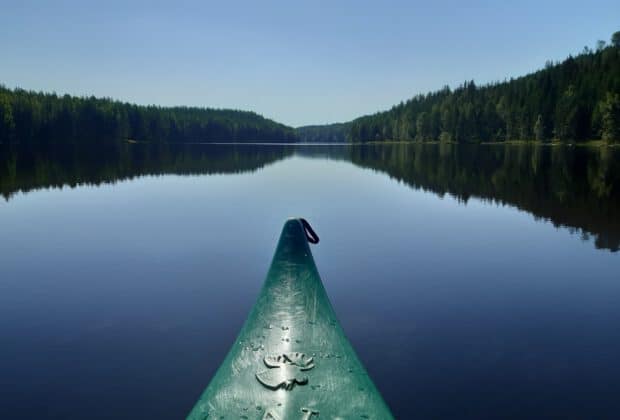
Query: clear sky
{"type": "Point", "coordinates": [298, 62]}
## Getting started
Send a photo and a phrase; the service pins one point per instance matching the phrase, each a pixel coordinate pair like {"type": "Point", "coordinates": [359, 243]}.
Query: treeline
{"type": "Point", "coordinates": [576, 100]}
{"type": "Point", "coordinates": [34, 117]}
{"type": "Point", "coordinates": [330, 133]}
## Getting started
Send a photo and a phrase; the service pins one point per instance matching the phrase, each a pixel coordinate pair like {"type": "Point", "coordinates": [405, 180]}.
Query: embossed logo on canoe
{"type": "Point", "coordinates": [285, 370]}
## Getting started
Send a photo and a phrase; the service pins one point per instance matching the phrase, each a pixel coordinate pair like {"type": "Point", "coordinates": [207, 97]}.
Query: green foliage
{"type": "Point", "coordinates": [566, 115]}
{"type": "Point", "coordinates": [615, 39]}
{"type": "Point", "coordinates": [539, 129]}
{"type": "Point", "coordinates": [423, 126]}
{"type": "Point", "coordinates": [32, 117]}
{"type": "Point", "coordinates": [558, 101]}
{"type": "Point", "coordinates": [7, 124]}
{"type": "Point", "coordinates": [610, 118]}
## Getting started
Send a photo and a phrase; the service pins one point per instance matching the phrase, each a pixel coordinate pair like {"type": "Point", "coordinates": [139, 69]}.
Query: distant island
{"type": "Point", "coordinates": [575, 100]}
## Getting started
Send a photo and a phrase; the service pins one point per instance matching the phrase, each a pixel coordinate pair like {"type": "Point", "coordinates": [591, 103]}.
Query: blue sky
{"type": "Point", "coordinates": [297, 62]}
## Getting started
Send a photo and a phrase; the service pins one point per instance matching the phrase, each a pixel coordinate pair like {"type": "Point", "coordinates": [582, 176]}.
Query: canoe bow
{"type": "Point", "coordinates": [291, 359]}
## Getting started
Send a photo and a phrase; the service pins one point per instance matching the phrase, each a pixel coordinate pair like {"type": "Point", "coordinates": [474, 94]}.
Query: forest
{"type": "Point", "coordinates": [35, 118]}
{"type": "Point", "coordinates": [575, 100]}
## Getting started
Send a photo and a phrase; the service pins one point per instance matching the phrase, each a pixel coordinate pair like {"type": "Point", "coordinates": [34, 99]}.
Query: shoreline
{"type": "Point", "coordinates": [589, 143]}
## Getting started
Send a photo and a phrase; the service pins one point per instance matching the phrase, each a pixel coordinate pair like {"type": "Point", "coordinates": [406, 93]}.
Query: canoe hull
{"type": "Point", "coordinates": [291, 359]}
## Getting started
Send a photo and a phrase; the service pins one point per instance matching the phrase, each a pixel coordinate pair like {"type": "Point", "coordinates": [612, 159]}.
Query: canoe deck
{"type": "Point", "coordinates": [291, 359]}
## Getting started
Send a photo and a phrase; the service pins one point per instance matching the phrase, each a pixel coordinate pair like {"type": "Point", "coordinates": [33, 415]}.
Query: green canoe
{"type": "Point", "coordinates": [291, 360]}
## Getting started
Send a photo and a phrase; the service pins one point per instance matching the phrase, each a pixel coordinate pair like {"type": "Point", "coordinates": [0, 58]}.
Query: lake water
{"type": "Point", "coordinates": [474, 282]}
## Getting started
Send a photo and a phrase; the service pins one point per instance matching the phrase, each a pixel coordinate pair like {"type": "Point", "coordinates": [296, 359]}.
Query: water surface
{"type": "Point", "coordinates": [474, 282]}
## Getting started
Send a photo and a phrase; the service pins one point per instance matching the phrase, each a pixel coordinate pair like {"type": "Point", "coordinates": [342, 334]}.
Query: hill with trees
{"type": "Point", "coordinates": [575, 100]}
{"type": "Point", "coordinates": [34, 117]}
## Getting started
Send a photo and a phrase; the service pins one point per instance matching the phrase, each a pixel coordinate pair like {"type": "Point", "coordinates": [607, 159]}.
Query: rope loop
{"type": "Point", "coordinates": [311, 235]}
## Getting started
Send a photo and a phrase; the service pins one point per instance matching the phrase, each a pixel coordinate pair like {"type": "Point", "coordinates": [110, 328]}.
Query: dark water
{"type": "Point", "coordinates": [474, 282]}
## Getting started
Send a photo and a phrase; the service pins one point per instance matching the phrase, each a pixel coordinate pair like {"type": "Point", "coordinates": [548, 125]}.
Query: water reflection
{"type": "Point", "coordinates": [25, 169]}
{"type": "Point", "coordinates": [113, 296]}
{"type": "Point", "coordinates": [573, 187]}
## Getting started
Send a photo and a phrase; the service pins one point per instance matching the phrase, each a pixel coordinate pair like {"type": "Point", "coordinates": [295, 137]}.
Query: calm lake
{"type": "Point", "coordinates": [475, 282]}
